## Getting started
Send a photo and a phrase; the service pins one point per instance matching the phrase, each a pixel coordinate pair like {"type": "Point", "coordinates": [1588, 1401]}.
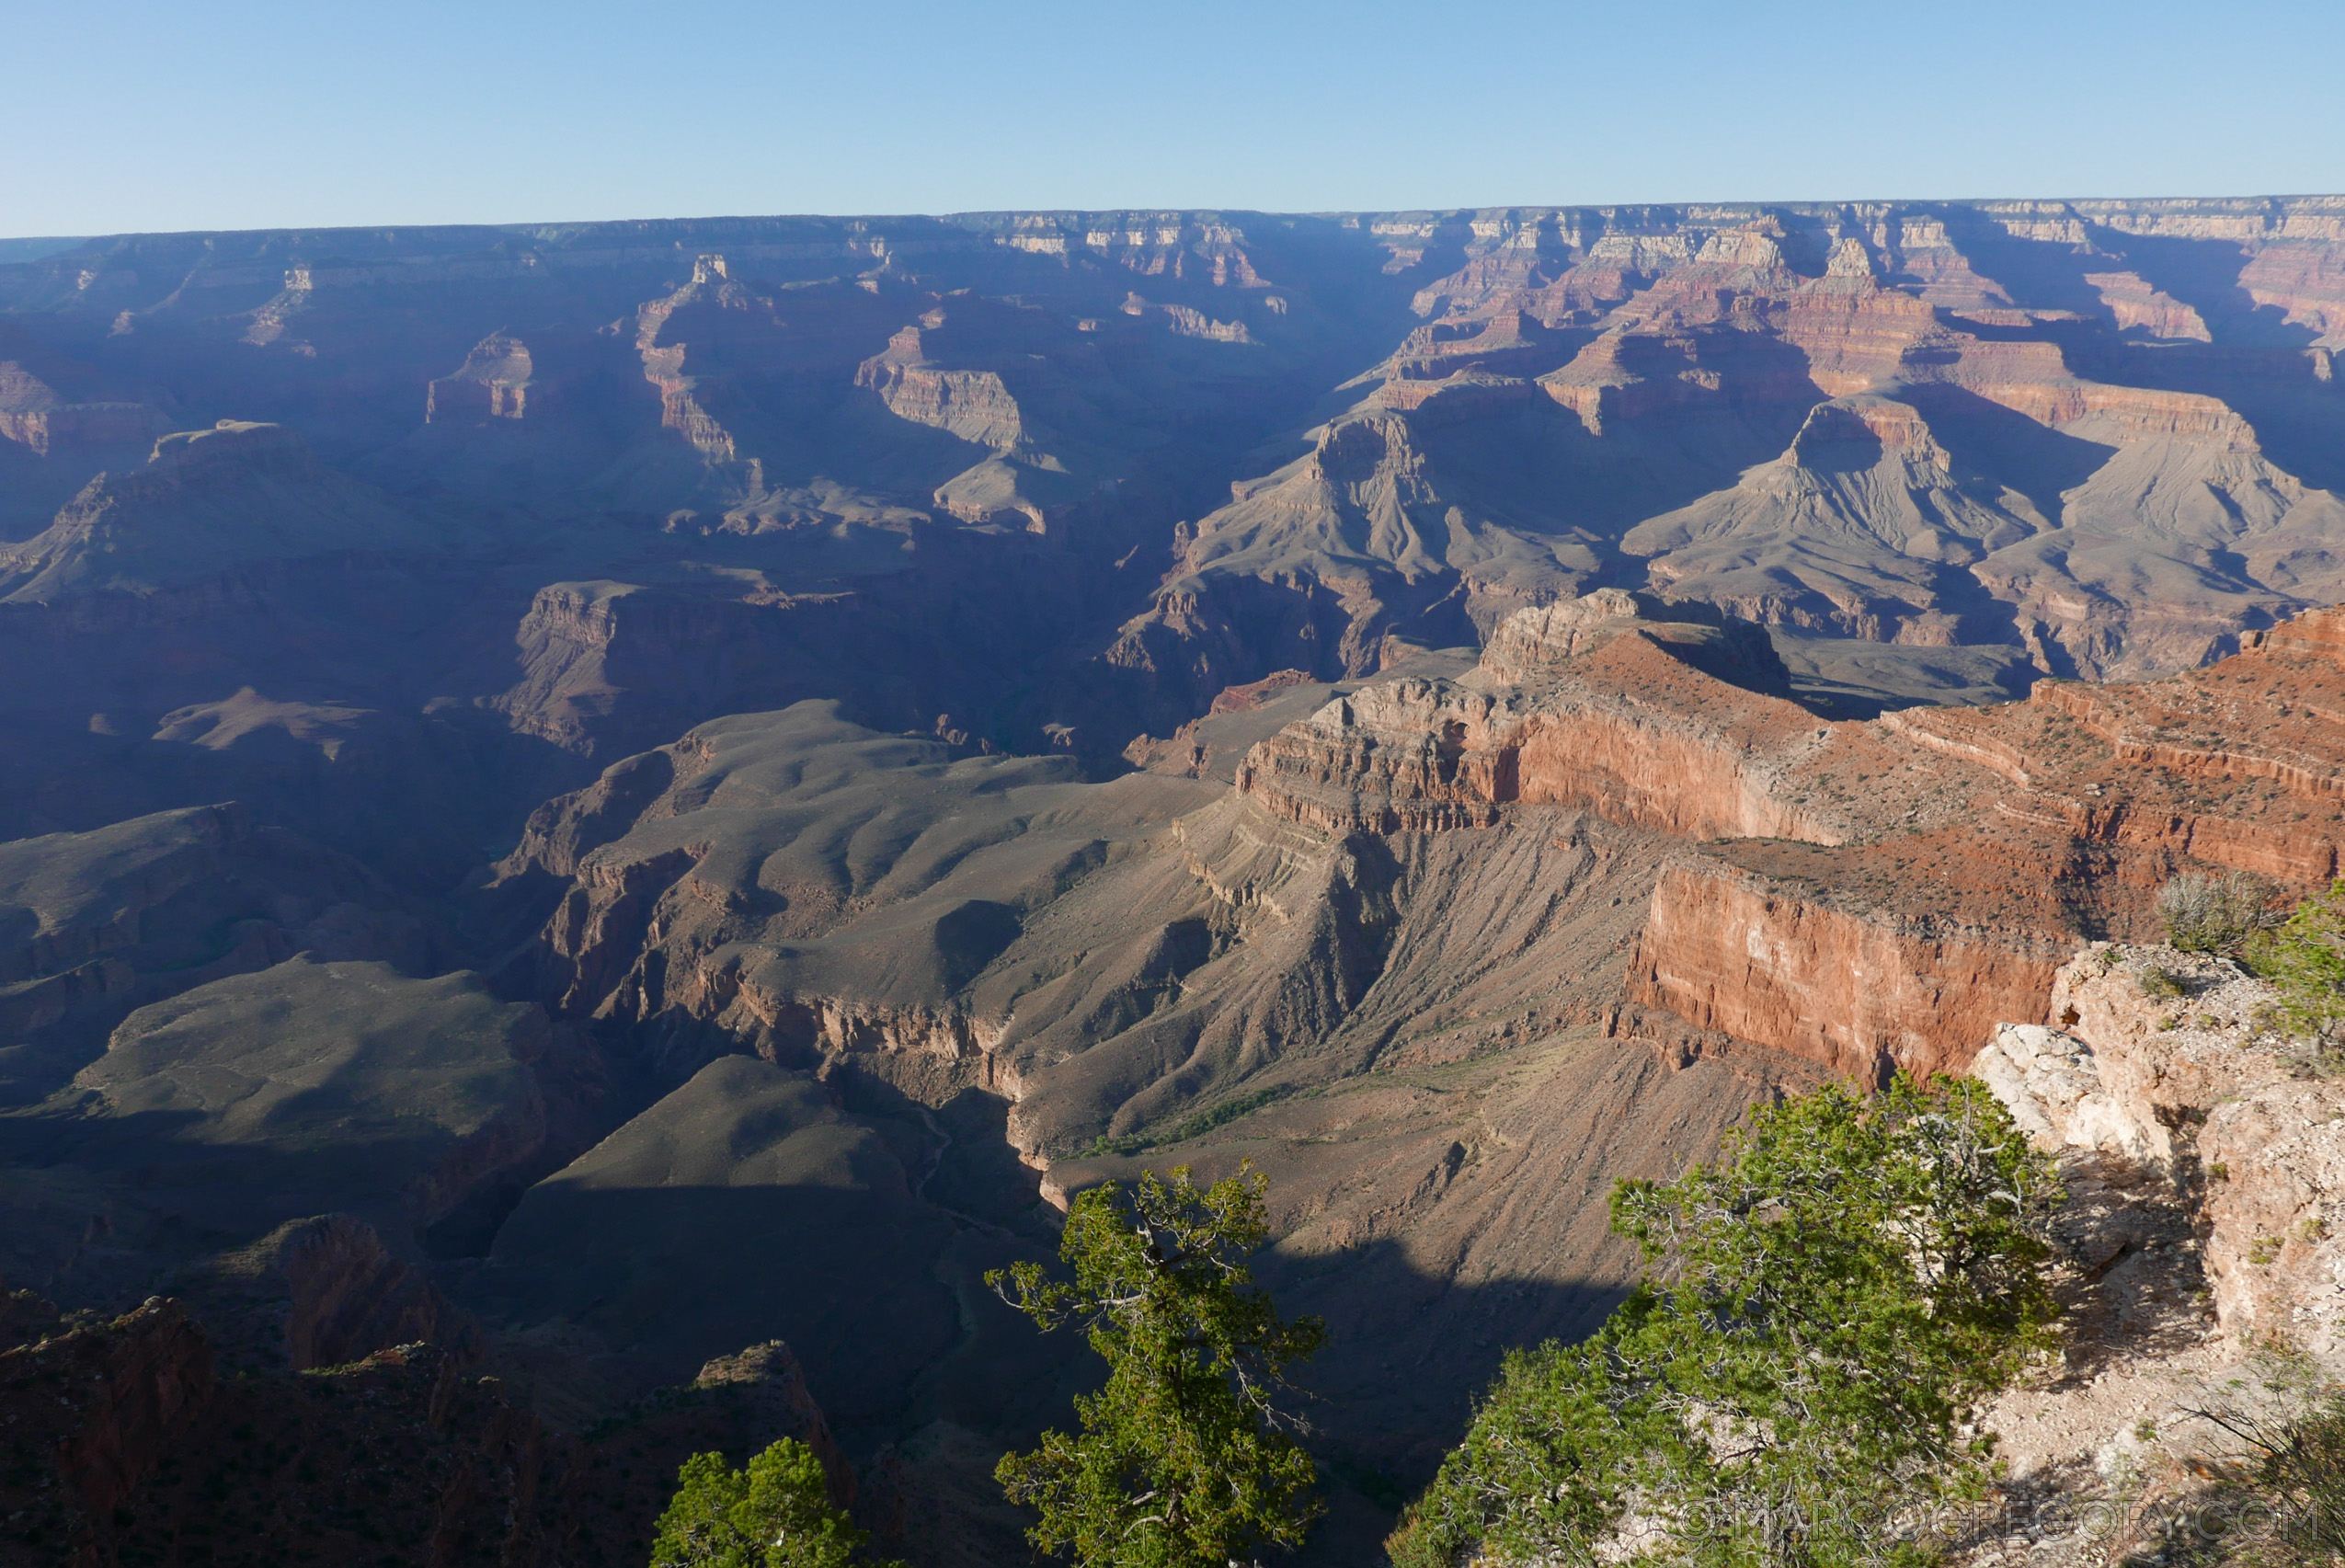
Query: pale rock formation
{"type": "Point", "coordinates": [2191, 1084]}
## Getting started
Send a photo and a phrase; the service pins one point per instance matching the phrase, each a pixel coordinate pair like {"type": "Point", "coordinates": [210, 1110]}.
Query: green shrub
{"type": "Point", "coordinates": [2215, 914]}
{"type": "Point", "coordinates": [1826, 1307]}
{"type": "Point", "coordinates": [2305, 960]}
{"type": "Point", "coordinates": [776, 1514]}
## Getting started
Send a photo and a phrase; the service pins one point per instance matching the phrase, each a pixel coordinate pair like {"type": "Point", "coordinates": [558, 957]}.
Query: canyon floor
{"type": "Point", "coordinates": [625, 810]}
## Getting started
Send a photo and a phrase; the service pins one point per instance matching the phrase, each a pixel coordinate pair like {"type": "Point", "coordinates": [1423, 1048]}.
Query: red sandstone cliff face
{"type": "Point", "coordinates": [2072, 807]}
{"type": "Point", "coordinates": [1860, 995]}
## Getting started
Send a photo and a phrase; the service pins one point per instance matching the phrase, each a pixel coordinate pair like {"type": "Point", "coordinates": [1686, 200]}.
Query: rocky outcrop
{"type": "Point", "coordinates": [1734, 650]}
{"type": "Point", "coordinates": [772, 1389]}
{"type": "Point", "coordinates": [110, 1403]}
{"type": "Point", "coordinates": [2276, 1250]}
{"type": "Point", "coordinates": [325, 1291]}
{"type": "Point", "coordinates": [971, 404]}
{"type": "Point", "coordinates": [494, 383]}
{"type": "Point", "coordinates": [659, 340]}
{"type": "Point", "coordinates": [2164, 1059]}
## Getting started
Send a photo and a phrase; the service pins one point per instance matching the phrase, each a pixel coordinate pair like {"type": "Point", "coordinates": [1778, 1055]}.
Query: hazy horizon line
{"type": "Point", "coordinates": [63, 242]}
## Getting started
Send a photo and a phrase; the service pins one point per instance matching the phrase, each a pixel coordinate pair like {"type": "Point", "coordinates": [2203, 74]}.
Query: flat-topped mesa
{"type": "Point", "coordinates": [1700, 634]}
{"type": "Point", "coordinates": [1587, 704]}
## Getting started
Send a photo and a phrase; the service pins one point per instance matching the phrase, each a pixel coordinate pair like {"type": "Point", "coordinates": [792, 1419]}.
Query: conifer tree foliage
{"type": "Point", "coordinates": [1826, 1307]}
{"type": "Point", "coordinates": [773, 1514]}
{"type": "Point", "coordinates": [1187, 1457]}
{"type": "Point", "coordinates": [2305, 960]}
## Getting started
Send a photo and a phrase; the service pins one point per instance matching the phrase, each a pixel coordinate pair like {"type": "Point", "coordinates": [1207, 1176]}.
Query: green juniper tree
{"type": "Point", "coordinates": [1826, 1307]}
{"type": "Point", "coordinates": [1186, 1458]}
{"type": "Point", "coordinates": [2305, 960]}
{"type": "Point", "coordinates": [774, 1514]}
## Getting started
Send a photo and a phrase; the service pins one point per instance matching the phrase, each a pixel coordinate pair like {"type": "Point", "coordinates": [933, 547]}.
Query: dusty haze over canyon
{"type": "Point", "coordinates": [580, 800]}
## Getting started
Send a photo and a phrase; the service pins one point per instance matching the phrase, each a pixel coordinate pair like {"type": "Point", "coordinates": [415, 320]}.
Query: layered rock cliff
{"type": "Point", "coordinates": [2100, 435]}
{"type": "Point", "coordinates": [1872, 895]}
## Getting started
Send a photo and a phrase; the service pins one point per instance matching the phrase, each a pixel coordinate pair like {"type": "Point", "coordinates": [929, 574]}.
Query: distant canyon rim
{"type": "Point", "coordinates": [580, 800]}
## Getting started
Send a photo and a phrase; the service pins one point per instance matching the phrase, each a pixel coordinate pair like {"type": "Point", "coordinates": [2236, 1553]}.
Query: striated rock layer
{"type": "Point", "coordinates": [1872, 894]}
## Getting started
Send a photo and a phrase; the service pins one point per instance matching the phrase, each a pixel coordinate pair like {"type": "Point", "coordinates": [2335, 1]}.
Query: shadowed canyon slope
{"type": "Point", "coordinates": [596, 797]}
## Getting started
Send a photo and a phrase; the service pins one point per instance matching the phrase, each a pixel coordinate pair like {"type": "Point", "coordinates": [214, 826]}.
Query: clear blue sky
{"type": "Point", "coordinates": [135, 115]}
